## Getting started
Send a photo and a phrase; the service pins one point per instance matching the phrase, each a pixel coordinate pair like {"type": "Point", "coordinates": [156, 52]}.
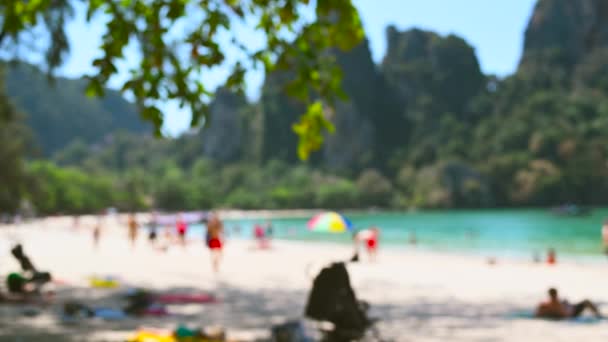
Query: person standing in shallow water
{"type": "Point", "coordinates": [412, 240]}
{"type": "Point", "coordinates": [551, 257]}
{"type": "Point", "coordinates": [215, 230]}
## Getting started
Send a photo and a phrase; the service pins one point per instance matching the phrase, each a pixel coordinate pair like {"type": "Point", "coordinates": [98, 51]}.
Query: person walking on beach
{"type": "Point", "coordinates": [372, 243]}
{"type": "Point", "coordinates": [259, 234]}
{"type": "Point", "coordinates": [153, 228]}
{"type": "Point", "coordinates": [182, 228]}
{"type": "Point", "coordinates": [370, 238]}
{"type": "Point", "coordinates": [168, 239]}
{"type": "Point", "coordinates": [551, 257]}
{"type": "Point", "coordinates": [605, 236]}
{"type": "Point", "coordinates": [215, 230]}
{"type": "Point", "coordinates": [133, 226]}
{"type": "Point", "coordinates": [555, 308]}
{"type": "Point", "coordinates": [76, 222]}
{"type": "Point", "coordinates": [97, 232]}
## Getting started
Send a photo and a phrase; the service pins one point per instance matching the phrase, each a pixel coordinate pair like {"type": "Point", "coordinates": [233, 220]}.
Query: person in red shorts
{"type": "Point", "coordinates": [551, 257]}
{"type": "Point", "coordinates": [260, 236]}
{"type": "Point", "coordinates": [372, 243]}
{"type": "Point", "coordinates": [182, 228]}
{"type": "Point", "coordinates": [370, 238]}
{"type": "Point", "coordinates": [215, 229]}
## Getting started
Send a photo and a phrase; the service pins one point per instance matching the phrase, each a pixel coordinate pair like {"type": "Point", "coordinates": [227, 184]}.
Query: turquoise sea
{"type": "Point", "coordinates": [512, 233]}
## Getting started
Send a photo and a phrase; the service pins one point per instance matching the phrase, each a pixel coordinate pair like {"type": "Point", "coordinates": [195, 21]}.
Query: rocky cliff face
{"type": "Point", "coordinates": [279, 113]}
{"type": "Point", "coordinates": [367, 109]}
{"type": "Point", "coordinates": [433, 77]}
{"type": "Point", "coordinates": [384, 105]}
{"type": "Point", "coordinates": [565, 32]}
{"type": "Point", "coordinates": [353, 140]}
{"type": "Point", "coordinates": [421, 64]}
{"type": "Point", "coordinates": [223, 139]}
{"type": "Point", "coordinates": [356, 143]}
{"type": "Point", "coordinates": [351, 144]}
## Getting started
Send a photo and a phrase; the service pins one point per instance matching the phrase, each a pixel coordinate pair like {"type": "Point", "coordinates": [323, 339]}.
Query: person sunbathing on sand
{"type": "Point", "coordinates": [556, 309]}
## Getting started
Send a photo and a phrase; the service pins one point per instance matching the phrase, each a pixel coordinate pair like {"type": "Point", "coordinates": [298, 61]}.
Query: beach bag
{"type": "Point", "coordinates": [293, 331]}
{"type": "Point", "coordinates": [332, 299]}
{"type": "Point", "coordinates": [15, 283]}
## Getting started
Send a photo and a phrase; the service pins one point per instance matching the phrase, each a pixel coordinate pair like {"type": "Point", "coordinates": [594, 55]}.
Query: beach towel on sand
{"type": "Point", "coordinates": [154, 335]}
{"type": "Point", "coordinates": [107, 282]}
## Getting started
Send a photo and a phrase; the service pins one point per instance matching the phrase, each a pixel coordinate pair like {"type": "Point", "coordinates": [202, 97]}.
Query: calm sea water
{"type": "Point", "coordinates": [515, 233]}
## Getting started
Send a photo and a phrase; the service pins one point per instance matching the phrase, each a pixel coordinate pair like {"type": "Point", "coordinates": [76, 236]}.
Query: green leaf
{"type": "Point", "coordinates": [154, 115]}
{"type": "Point", "coordinates": [94, 88]}
{"type": "Point", "coordinates": [298, 89]}
{"type": "Point", "coordinates": [310, 130]}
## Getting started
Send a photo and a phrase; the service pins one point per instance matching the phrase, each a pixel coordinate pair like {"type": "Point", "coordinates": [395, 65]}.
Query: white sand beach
{"type": "Point", "coordinates": [418, 296]}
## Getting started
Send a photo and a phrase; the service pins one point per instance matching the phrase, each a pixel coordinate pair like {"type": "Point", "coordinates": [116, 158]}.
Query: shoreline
{"type": "Point", "coordinates": [115, 223]}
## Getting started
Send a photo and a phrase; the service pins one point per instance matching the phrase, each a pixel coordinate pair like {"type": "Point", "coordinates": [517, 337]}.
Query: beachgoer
{"type": "Point", "coordinates": [97, 232]}
{"type": "Point", "coordinates": [556, 309]}
{"type": "Point", "coordinates": [370, 237]}
{"type": "Point", "coordinates": [372, 243]}
{"type": "Point", "coordinates": [215, 230]}
{"type": "Point", "coordinates": [76, 222]}
{"type": "Point", "coordinates": [153, 228]}
{"type": "Point", "coordinates": [412, 239]}
{"type": "Point", "coordinates": [536, 257]}
{"type": "Point", "coordinates": [492, 261]}
{"type": "Point", "coordinates": [168, 238]}
{"type": "Point", "coordinates": [260, 236]}
{"type": "Point", "coordinates": [356, 242]}
{"type": "Point", "coordinates": [551, 257]}
{"type": "Point", "coordinates": [605, 236]}
{"type": "Point", "coordinates": [133, 226]}
{"type": "Point", "coordinates": [269, 230]}
{"type": "Point", "coordinates": [182, 228]}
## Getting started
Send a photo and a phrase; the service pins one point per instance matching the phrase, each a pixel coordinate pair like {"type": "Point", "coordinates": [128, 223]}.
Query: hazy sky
{"type": "Point", "coordinates": [494, 28]}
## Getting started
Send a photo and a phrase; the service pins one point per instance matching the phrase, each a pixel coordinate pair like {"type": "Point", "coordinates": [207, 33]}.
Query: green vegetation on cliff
{"type": "Point", "coordinates": [60, 112]}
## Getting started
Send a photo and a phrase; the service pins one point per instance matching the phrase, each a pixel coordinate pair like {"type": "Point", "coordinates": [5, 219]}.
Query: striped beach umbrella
{"type": "Point", "coordinates": [330, 222]}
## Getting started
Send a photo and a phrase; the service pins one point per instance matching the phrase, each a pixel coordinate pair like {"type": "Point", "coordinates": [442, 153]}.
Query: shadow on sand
{"type": "Point", "coordinates": [248, 313]}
